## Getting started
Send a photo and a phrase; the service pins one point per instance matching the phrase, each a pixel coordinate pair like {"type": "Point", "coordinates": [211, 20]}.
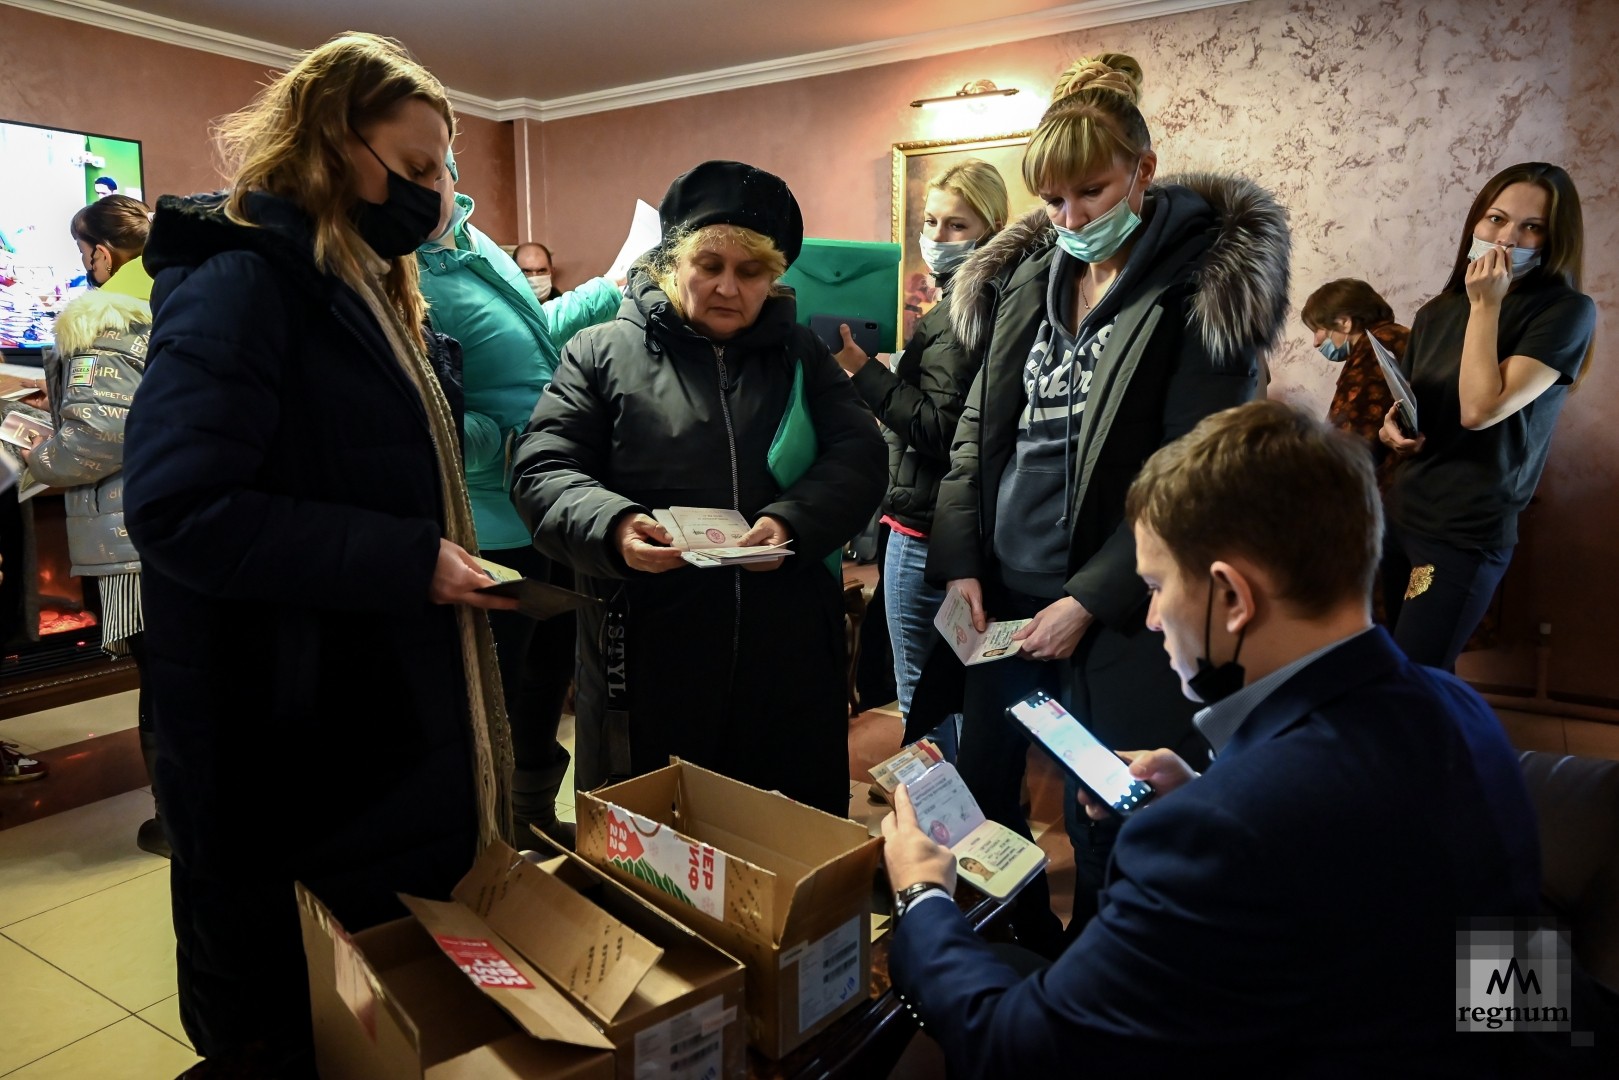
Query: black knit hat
{"type": "Point", "coordinates": [731, 193]}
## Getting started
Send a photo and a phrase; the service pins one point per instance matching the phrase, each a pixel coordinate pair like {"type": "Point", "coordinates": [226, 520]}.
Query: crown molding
{"type": "Point", "coordinates": [1058, 20]}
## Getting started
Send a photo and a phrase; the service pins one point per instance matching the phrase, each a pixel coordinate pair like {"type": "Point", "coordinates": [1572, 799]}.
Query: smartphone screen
{"type": "Point", "coordinates": [1081, 753]}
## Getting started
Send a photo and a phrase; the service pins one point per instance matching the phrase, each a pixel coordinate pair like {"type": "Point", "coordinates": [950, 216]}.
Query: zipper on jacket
{"type": "Point", "coordinates": [736, 501]}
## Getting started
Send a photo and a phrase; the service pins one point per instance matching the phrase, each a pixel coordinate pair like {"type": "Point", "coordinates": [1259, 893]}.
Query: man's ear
{"type": "Point", "coordinates": [1235, 598]}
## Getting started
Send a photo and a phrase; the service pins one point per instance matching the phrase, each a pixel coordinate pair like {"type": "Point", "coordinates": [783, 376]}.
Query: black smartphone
{"type": "Point", "coordinates": [864, 332]}
{"type": "Point", "coordinates": [1401, 422]}
{"type": "Point", "coordinates": [1099, 770]}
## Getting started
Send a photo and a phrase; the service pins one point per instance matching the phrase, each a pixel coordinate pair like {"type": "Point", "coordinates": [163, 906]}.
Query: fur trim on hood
{"type": "Point", "coordinates": [1240, 287]}
{"type": "Point", "coordinates": [96, 313]}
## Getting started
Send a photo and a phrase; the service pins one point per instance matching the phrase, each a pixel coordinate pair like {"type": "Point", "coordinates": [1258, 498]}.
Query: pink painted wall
{"type": "Point", "coordinates": [1374, 121]}
{"type": "Point", "coordinates": [66, 74]}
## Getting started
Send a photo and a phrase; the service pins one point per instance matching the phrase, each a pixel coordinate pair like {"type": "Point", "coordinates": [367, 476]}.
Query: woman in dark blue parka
{"type": "Point", "coordinates": [329, 711]}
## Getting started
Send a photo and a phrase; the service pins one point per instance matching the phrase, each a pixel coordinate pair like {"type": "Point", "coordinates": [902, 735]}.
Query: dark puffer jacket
{"type": "Point", "coordinates": [741, 671]}
{"type": "Point", "coordinates": [920, 402]}
{"type": "Point", "coordinates": [282, 489]}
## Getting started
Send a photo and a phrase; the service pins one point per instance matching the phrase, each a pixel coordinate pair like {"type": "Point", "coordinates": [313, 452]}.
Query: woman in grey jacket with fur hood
{"type": "Point", "coordinates": [92, 374]}
{"type": "Point", "coordinates": [1109, 323]}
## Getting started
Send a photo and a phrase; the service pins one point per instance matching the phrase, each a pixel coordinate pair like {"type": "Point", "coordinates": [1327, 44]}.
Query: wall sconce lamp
{"type": "Point", "coordinates": [975, 91]}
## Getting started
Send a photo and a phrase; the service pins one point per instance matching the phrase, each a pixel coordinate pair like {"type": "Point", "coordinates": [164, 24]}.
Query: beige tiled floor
{"type": "Point", "coordinates": [86, 944]}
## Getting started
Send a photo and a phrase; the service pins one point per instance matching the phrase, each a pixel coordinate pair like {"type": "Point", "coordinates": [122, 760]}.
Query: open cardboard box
{"type": "Point", "coordinates": [575, 960]}
{"type": "Point", "coordinates": [783, 886]}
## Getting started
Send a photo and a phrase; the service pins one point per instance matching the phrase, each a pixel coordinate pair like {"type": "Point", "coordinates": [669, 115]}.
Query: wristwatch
{"type": "Point", "coordinates": [911, 893]}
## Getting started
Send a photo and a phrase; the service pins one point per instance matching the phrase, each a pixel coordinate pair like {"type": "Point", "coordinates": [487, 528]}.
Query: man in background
{"type": "Point", "coordinates": [534, 259]}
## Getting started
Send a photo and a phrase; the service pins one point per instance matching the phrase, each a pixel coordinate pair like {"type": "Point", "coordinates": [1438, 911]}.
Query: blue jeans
{"type": "Point", "coordinates": [911, 603]}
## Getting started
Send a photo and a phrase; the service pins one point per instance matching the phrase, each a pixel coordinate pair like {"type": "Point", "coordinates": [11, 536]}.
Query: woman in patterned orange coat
{"type": "Point", "coordinates": [1343, 313]}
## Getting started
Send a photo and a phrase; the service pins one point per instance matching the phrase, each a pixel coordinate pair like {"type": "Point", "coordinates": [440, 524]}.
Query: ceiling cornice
{"type": "Point", "coordinates": [1058, 20]}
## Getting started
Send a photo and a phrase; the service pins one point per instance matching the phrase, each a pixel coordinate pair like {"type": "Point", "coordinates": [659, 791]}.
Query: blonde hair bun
{"type": "Point", "coordinates": [1117, 72]}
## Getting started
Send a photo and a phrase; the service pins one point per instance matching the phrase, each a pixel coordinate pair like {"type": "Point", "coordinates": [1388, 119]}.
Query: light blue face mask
{"type": "Point", "coordinates": [943, 258]}
{"type": "Point", "coordinates": [1523, 259]}
{"type": "Point", "coordinates": [1337, 353]}
{"type": "Point", "coordinates": [1102, 237]}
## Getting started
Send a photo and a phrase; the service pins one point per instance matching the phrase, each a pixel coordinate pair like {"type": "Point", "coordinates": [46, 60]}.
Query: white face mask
{"type": "Point", "coordinates": [942, 258]}
{"type": "Point", "coordinates": [1523, 259]}
{"type": "Point", "coordinates": [540, 284]}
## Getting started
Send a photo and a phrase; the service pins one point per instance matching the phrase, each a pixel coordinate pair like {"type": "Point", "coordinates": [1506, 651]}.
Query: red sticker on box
{"type": "Point", "coordinates": [483, 963]}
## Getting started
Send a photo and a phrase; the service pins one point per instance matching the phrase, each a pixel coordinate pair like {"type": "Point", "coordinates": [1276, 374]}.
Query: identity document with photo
{"type": "Point", "coordinates": [955, 622]}
{"type": "Point", "coordinates": [711, 536]}
{"type": "Point", "coordinates": [989, 856]}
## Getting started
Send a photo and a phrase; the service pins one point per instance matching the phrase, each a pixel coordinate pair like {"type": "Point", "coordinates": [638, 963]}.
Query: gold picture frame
{"type": "Point", "coordinates": [916, 164]}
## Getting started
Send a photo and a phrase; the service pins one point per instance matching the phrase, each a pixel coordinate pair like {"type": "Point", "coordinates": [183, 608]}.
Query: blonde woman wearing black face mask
{"type": "Point", "coordinates": [919, 402]}
{"type": "Point", "coordinates": [1491, 360]}
{"type": "Point", "coordinates": [327, 699]}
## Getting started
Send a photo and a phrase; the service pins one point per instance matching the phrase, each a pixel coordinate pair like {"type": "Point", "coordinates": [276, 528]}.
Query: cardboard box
{"type": "Point", "coordinates": [387, 1003]}
{"type": "Point", "coordinates": [783, 886]}
{"type": "Point", "coordinates": [579, 963]}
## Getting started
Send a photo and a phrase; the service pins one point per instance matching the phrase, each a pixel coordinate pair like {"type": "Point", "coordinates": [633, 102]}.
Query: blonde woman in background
{"type": "Point", "coordinates": [329, 709]}
{"type": "Point", "coordinates": [919, 402]}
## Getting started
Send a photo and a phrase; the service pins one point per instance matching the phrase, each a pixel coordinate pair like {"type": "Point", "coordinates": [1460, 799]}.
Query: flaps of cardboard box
{"type": "Point", "coordinates": [578, 944]}
{"type": "Point", "coordinates": [354, 974]}
{"type": "Point", "coordinates": [500, 971]}
{"type": "Point", "coordinates": [685, 830]}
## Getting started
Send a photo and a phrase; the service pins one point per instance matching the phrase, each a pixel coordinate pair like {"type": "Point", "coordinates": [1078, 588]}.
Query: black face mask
{"type": "Point", "coordinates": [401, 224]}
{"type": "Point", "coordinates": [1212, 683]}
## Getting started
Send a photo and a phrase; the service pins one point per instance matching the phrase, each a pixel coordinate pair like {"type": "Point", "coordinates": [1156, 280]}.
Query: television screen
{"type": "Point", "coordinates": [48, 176]}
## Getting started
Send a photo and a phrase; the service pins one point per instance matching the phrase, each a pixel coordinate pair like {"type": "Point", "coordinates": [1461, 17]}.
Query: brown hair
{"type": "Point", "coordinates": [292, 141]}
{"type": "Point", "coordinates": [1093, 121]}
{"type": "Point", "coordinates": [117, 222]}
{"type": "Point", "coordinates": [1273, 484]}
{"type": "Point", "coordinates": [1349, 298]}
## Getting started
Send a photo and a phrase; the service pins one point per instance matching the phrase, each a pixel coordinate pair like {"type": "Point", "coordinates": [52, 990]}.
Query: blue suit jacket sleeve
{"type": "Point", "coordinates": [1149, 967]}
{"type": "Point", "coordinates": [203, 424]}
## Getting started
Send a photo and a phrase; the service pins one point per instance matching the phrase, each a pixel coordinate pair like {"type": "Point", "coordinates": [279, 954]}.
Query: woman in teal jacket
{"type": "Point", "coordinates": [510, 344]}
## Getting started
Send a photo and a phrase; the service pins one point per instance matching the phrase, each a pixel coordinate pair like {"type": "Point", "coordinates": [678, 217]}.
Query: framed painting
{"type": "Point", "coordinates": [916, 164]}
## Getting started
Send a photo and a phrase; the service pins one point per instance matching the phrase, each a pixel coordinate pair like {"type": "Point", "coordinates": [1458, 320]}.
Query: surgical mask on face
{"type": "Point", "coordinates": [1334, 351]}
{"type": "Point", "coordinates": [541, 285]}
{"type": "Point", "coordinates": [401, 223]}
{"type": "Point", "coordinates": [1523, 259]}
{"type": "Point", "coordinates": [1216, 682]}
{"type": "Point", "coordinates": [1101, 237]}
{"type": "Point", "coordinates": [943, 258]}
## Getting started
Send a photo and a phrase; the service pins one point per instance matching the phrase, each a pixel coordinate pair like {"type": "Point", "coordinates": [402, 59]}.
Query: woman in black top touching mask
{"type": "Point", "coordinates": [1491, 360]}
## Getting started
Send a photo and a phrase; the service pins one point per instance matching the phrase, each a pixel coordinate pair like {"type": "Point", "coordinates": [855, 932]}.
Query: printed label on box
{"type": "Point", "coordinates": [687, 1046]}
{"type": "Point", "coordinates": [694, 874]}
{"type": "Point", "coordinates": [483, 963]}
{"type": "Point", "coordinates": [829, 973]}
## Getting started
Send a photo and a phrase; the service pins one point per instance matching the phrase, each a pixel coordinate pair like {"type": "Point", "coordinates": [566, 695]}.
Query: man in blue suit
{"type": "Point", "coordinates": [1296, 905]}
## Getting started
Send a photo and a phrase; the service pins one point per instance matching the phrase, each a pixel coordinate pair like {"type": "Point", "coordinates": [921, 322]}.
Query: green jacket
{"type": "Point", "coordinates": [510, 344]}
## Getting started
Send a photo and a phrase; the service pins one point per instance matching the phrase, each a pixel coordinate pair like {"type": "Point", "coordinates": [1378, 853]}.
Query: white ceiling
{"type": "Point", "coordinates": [546, 58]}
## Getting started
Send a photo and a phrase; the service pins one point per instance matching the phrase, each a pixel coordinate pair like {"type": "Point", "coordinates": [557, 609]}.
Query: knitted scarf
{"type": "Point", "coordinates": [486, 707]}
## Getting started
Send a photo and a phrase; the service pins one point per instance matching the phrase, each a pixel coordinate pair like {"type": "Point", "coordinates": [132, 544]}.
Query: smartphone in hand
{"type": "Point", "coordinates": [1097, 769]}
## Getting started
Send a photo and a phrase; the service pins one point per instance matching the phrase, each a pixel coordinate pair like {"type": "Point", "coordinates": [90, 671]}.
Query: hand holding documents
{"type": "Point", "coordinates": [955, 622]}
{"type": "Point", "coordinates": [21, 429]}
{"type": "Point", "coordinates": [708, 537]}
{"type": "Point", "coordinates": [1399, 385]}
{"type": "Point", "coordinates": [989, 856]}
{"type": "Point", "coordinates": [536, 599]}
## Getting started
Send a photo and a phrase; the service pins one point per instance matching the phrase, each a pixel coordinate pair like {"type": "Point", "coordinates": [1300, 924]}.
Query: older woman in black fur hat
{"type": "Point", "coordinates": [705, 392]}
